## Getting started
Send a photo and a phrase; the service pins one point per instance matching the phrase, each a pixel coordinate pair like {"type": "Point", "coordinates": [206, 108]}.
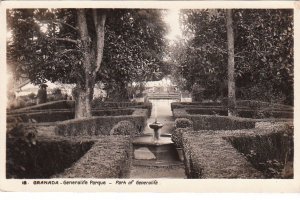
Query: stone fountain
{"type": "Point", "coordinates": [153, 145]}
{"type": "Point", "coordinates": [156, 126]}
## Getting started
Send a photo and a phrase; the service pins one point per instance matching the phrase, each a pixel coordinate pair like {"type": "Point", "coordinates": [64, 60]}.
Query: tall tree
{"type": "Point", "coordinates": [92, 50]}
{"type": "Point", "coordinates": [67, 45]}
{"type": "Point", "coordinates": [263, 53]}
{"type": "Point", "coordinates": [231, 79]}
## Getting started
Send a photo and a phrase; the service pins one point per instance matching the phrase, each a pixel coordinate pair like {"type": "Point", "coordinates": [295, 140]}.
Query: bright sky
{"type": "Point", "coordinates": [172, 19]}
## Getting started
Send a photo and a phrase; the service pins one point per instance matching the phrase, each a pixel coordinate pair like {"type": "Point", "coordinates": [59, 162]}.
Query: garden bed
{"type": "Point", "coordinates": [109, 157]}
{"type": "Point", "coordinates": [32, 153]}
{"type": "Point", "coordinates": [214, 122]}
{"type": "Point", "coordinates": [44, 159]}
{"type": "Point", "coordinates": [254, 153]}
{"type": "Point", "coordinates": [100, 125]}
{"type": "Point", "coordinates": [254, 114]}
{"type": "Point", "coordinates": [62, 104]}
{"type": "Point", "coordinates": [96, 104]}
{"type": "Point", "coordinates": [241, 105]}
{"type": "Point", "coordinates": [62, 115]}
{"type": "Point", "coordinates": [44, 116]}
{"type": "Point", "coordinates": [269, 152]}
{"type": "Point", "coordinates": [69, 105]}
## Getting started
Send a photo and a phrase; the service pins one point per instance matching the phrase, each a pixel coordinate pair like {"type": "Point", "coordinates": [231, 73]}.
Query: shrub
{"type": "Point", "coordinates": [31, 95]}
{"type": "Point", "coordinates": [207, 111]}
{"type": "Point", "coordinates": [109, 157]}
{"type": "Point", "coordinates": [96, 125]}
{"type": "Point", "coordinates": [17, 103]}
{"type": "Point", "coordinates": [63, 104]}
{"type": "Point", "coordinates": [123, 128]}
{"type": "Point", "coordinates": [56, 94]}
{"type": "Point", "coordinates": [210, 122]}
{"type": "Point", "coordinates": [112, 112]}
{"type": "Point", "coordinates": [25, 132]}
{"type": "Point", "coordinates": [269, 151]}
{"type": "Point", "coordinates": [46, 158]}
{"type": "Point", "coordinates": [47, 116]}
{"type": "Point", "coordinates": [99, 104]}
{"type": "Point", "coordinates": [56, 91]}
{"type": "Point", "coordinates": [183, 123]}
{"type": "Point", "coordinates": [208, 155]}
{"type": "Point", "coordinates": [176, 137]}
{"type": "Point", "coordinates": [180, 113]}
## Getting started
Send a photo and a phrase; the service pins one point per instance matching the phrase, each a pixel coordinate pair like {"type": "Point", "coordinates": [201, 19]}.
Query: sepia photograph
{"type": "Point", "coordinates": [109, 95]}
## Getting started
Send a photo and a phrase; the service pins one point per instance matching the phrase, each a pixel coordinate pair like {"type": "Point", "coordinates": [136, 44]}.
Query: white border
{"type": "Point", "coordinates": [165, 185]}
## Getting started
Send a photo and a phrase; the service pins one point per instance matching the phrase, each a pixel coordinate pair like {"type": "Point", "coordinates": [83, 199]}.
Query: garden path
{"type": "Point", "coordinates": [145, 164]}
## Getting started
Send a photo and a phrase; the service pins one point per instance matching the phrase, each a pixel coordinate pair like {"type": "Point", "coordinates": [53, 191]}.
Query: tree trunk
{"type": "Point", "coordinates": [84, 90]}
{"type": "Point", "coordinates": [83, 106]}
{"type": "Point", "coordinates": [231, 80]}
{"type": "Point", "coordinates": [92, 57]}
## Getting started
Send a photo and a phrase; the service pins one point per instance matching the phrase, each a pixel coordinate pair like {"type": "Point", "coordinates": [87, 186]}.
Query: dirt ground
{"type": "Point", "coordinates": [176, 172]}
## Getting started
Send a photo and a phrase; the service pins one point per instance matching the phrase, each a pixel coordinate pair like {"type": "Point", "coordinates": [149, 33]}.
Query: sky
{"type": "Point", "coordinates": [172, 19]}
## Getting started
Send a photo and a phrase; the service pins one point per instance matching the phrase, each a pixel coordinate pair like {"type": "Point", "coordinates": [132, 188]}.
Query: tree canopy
{"type": "Point", "coordinates": [45, 45]}
{"type": "Point", "coordinates": [263, 52]}
{"type": "Point", "coordinates": [85, 46]}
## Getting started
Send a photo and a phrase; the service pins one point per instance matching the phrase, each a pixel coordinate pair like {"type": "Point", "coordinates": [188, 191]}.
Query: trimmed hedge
{"type": "Point", "coordinates": [123, 128]}
{"type": "Point", "coordinates": [181, 125]}
{"type": "Point", "coordinates": [255, 114]}
{"type": "Point", "coordinates": [268, 152]}
{"type": "Point", "coordinates": [44, 159]}
{"type": "Point", "coordinates": [100, 125]}
{"type": "Point", "coordinates": [113, 112]}
{"type": "Point", "coordinates": [265, 113]}
{"type": "Point", "coordinates": [52, 156]}
{"type": "Point", "coordinates": [176, 137]}
{"type": "Point", "coordinates": [208, 122]}
{"type": "Point", "coordinates": [101, 157]}
{"type": "Point", "coordinates": [180, 113]}
{"type": "Point", "coordinates": [210, 156]}
{"type": "Point", "coordinates": [260, 104]}
{"type": "Point", "coordinates": [224, 154]}
{"type": "Point", "coordinates": [63, 104]}
{"type": "Point", "coordinates": [213, 122]}
{"type": "Point", "coordinates": [45, 116]}
{"type": "Point", "coordinates": [98, 104]}
{"type": "Point", "coordinates": [109, 157]}
{"type": "Point", "coordinates": [241, 105]}
{"type": "Point", "coordinates": [177, 105]}
{"type": "Point", "coordinates": [206, 111]}
{"type": "Point", "coordinates": [62, 115]}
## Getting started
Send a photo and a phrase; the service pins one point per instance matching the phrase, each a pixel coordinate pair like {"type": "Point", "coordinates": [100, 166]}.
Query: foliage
{"type": "Point", "coordinates": [56, 91]}
{"type": "Point", "coordinates": [133, 51]}
{"type": "Point", "coordinates": [263, 52]}
{"type": "Point", "coordinates": [123, 128]}
{"type": "Point", "coordinates": [183, 123]}
{"type": "Point", "coordinates": [17, 129]}
{"type": "Point", "coordinates": [31, 95]}
{"type": "Point", "coordinates": [15, 104]}
{"type": "Point", "coordinates": [46, 158]}
{"type": "Point", "coordinates": [270, 153]}
{"type": "Point", "coordinates": [67, 45]}
{"type": "Point", "coordinates": [134, 42]}
{"type": "Point", "coordinates": [98, 125]}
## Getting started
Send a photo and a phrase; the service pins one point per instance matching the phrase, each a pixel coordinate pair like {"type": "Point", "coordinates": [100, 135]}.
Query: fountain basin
{"type": "Point", "coordinates": [156, 125]}
{"type": "Point", "coordinates": [163, 149]}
